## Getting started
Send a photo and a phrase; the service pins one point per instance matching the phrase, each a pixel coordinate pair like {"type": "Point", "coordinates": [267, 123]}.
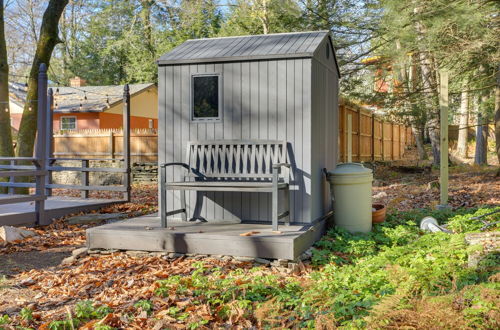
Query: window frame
{"type": "Point", "coordinates": [220, 109]}
{"type": "Point", "coordinates": [68, 129]}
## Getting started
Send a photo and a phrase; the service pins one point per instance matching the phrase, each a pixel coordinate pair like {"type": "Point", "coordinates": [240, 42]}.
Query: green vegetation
{"type": "Point", "coordinates": [355, 273]}
{"type": "Point", "coordinates": [84, 312]}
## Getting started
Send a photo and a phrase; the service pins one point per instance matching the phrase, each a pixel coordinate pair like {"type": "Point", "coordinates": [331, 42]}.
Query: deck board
{"type": "Point", "coordinates": [56, 206]}
{"type": "Point", "coordinates": [217, 238]}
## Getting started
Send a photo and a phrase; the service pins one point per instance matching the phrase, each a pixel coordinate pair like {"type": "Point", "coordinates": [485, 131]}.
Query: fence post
{"type": "Point", "coordinates": [49, 147]}
{"type": "Point", "coordinates": [85, 178]}
{"type": "Point", "coordinates": [40, 152]}
{"type": "Point", "coordinates": [111, 145]}
{"type": "Point", "coordinates": [359, 135]}
{"type": "Point", "coordinates": [382, 149]}
{"type": "Point", "coordinates": [392, 141]}
{"type": "Point", "coordinates": [126, 141]}
{"type": "Point", "coordinates": [349, 138]}
{"type": "Point", "coordinates": [373, 137]}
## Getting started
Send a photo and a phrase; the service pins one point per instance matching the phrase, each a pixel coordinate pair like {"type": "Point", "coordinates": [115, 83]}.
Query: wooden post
{"type": "Point", "coordinates": [443, 107]}
{"type": "Point", "coordinates": [111, 146]}
{"type": "Point", "coordinates": [373, 137]}
{"type": "Point", "coordinates": [126, 141]}
{"type": "Point", "coordinates": [40, 152]}
{"type": "Point", "coordinates": [359, 135]}
{"type": "Point", "coordinates": [349, 138]}
{"type": "Point", "coordinates": [49, 144]}
{"type": "Point", "coordinates": [392, 141]}
{"type": "Point", "coordinates": [85, 179]}
{"type": "Point", "coordinates": [382, 140]}
{"type": "Point", "coordinates": [344, 154]}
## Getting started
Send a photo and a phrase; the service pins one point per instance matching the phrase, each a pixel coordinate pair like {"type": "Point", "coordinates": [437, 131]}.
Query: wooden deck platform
{"type": "Point", "coordinates": [57, 206]}
{"type": "Point", "coordinates": [216, 238]}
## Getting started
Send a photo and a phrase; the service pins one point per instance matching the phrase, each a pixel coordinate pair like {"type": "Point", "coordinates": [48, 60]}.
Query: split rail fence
{"type": "Point", "coordinates": [364, 137]}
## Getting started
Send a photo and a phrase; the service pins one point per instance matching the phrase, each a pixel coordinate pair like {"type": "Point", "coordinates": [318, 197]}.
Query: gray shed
{"type": "Point", "coordinates": [263, 87]}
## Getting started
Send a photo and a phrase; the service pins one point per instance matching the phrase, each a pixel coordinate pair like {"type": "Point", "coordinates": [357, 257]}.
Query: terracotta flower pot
{"type": "Point", "coordinates": [378, 215]}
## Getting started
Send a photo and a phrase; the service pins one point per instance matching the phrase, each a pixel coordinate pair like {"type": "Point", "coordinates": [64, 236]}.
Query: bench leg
{"type": "Point", "coordinates": [163, 197]}
{"type": "Point", "coordinates": [287, 206]}
{"type": "Point", "coordinates": [183, 205]}
{"type": "Point", "coordinates": [275, 209]}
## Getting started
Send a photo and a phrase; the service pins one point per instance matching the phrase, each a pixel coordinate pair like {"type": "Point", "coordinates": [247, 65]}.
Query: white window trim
{"type": "Point", "coordinates": [207, 119]}
{"type": "Point", "coordinates": [68, 129]}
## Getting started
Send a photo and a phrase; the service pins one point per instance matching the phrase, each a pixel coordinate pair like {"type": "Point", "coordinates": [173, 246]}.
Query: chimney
{"type": "Point", "coordinates": [77, 82]}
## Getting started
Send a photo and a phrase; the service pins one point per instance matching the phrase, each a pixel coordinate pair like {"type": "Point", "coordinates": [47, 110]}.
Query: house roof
{"type": "Point", "coordinates": [72, 100]}
{"type": "Point", "coordinates": [254, 47]}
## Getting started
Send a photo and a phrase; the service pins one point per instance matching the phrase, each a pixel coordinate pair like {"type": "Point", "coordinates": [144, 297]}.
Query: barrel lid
{"type": "Point", "coordinates": [351, 169]}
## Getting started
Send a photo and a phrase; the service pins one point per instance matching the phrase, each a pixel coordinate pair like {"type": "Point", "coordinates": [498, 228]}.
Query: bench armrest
{"type": "Point", "coordinates": [186, 166]}
{"type": "Point", "coordinates": [277, 170]}
{"type": "Point", "coordinates": [278, 165]}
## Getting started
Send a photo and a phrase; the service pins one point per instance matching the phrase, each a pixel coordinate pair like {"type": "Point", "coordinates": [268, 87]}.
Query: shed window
{"type": "Point", "coordinates": [206, 95]}
{"type": "Point", "coordinates": [68, 123]}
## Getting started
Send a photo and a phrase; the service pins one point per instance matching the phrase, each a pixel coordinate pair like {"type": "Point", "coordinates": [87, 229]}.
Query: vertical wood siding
{"type": "Point", "coordinates": [261, 100]}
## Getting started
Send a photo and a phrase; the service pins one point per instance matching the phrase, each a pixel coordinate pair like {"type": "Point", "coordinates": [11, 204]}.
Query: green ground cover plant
{"type": "Point", "coordinates": [355, 272]}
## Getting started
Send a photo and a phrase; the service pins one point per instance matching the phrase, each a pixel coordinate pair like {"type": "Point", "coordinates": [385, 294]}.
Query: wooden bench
{"type": "Point", "coordinates": [231, 165]}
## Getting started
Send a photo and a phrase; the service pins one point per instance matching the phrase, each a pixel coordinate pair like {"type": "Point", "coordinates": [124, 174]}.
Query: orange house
{"type": "Point", "coordinates": [95, 107]}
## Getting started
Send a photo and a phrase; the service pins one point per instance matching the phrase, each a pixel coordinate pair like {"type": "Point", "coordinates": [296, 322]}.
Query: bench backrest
{"type": "Point", "coordinates": [235, 159]}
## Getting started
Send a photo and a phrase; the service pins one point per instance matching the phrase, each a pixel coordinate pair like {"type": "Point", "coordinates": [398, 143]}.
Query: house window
{"type": "Point", "coordinates": [151, 123]}
{"type": "Point", "coordinates": [68, 123]}
{"type": "Point", "coordinates": [206, 97]}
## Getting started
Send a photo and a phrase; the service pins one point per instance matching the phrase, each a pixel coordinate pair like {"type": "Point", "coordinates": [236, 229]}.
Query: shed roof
{"type": "Point", "coordinates": [253, 47]}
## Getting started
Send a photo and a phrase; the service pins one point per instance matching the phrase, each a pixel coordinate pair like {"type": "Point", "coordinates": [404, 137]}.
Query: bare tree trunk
{"type": "Point", "coordinates": [49, 38]}
{"type": "Point", "coordinates": [6, 148]}
{"type": "Point", "coordinates": [429, 91]}
{"type": "Point", "coordinates": [418, 132]}
{"type": "Point", "coordinates": [480, 157]}
{"type": "Point", "coordinates": [464, 123]}
{"type": "Point", "coordinates": [264, 16]}
{"type": "Point", "coordinates": [497, 118]}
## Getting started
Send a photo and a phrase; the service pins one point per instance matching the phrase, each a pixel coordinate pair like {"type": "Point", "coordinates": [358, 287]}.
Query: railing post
{"type": "Point", "coordinates": [126, 141]}
{"type": "Point", "coordinates": [12, 179]}
{"type": "Point", "coordinates": [85, 178]}
{"type": "Point", "coordinates": [49, 147]}
{"type": "Point", "coordinates": [40, 152]}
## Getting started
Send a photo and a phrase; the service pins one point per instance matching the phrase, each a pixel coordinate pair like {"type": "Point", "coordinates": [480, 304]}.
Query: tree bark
{"type": "Point", "coordinates": [464, 123]}
{"type": "Point", "coordinates": [480, 157]}
{"type": "Point", "coordinates": [6, 148]}
{"type": "Point", "coordinates": [430, 91]}
{"type": "Point", "coordinates": [49, 38]}
{"type": "Point", "coordinates": [497, 119]}
{"type": "Point", "coordinates": [418, 132]}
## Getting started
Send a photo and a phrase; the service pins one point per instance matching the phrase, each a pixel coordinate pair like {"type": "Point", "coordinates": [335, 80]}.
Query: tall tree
{"type": "Point", "coordinates": [463, 127]}
{"type": "Point", "coordinates": [47, 40]}
{"type": "Point", "coordinates": [6, 148]}
{"type": "Point", "coordinates": [497, 117]}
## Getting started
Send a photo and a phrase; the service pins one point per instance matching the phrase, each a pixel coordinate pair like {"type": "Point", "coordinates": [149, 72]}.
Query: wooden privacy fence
{"type": "Point", "coordinates": [107, 143]}
{"type": "Point", "coordinates": [371, 139]}
{"type": "Point", "coordinates": [367, 137]}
